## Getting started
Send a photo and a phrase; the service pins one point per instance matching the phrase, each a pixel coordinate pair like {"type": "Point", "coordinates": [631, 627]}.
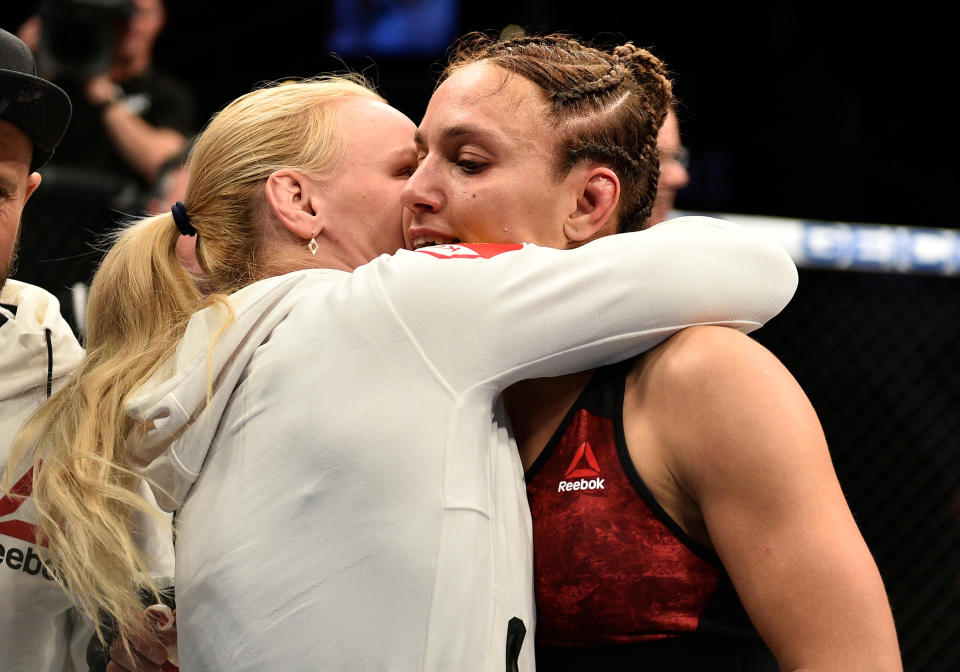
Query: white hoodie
{"type": "Point", "coordinates": [39, 628]}
{"type": "Point", "coordinates": [350, 498]}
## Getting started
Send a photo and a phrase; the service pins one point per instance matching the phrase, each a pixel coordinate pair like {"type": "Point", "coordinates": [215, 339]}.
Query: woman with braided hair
{"type": "Point", "coordinates": [683, 501]}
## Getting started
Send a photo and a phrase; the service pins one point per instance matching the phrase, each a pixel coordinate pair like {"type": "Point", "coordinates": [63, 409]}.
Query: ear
{"type": "Point", "coordinates": [33, 181]}
{"type": "Point", "coordinates": [294, 201]}
{"type": "Point", "coordinates": [598, 193]}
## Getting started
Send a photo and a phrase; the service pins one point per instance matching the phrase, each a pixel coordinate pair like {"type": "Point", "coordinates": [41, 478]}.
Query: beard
{"type": "Point", "coordinates": [11, 267]}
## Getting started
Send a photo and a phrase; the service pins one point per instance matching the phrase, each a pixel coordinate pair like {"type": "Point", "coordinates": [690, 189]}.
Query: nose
{"type": "Point", "coordinates": [422, 193]}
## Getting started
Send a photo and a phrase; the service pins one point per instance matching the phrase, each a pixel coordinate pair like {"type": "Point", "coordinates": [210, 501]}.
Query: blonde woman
{"type": "Point", "coordinates": [327, 428]}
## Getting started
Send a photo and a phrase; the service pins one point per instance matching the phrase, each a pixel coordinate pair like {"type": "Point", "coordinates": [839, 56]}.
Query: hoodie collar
{"type": "Point", "coordinates": [37, 346]}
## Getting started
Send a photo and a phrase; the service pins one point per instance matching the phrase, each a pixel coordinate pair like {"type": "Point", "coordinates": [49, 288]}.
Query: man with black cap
{"type": "Point", "coordinates": [39, 629]}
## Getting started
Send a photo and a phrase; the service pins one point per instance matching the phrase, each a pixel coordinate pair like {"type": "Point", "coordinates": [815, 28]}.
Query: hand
{"type": "Point", "coordinates": [149, 653]}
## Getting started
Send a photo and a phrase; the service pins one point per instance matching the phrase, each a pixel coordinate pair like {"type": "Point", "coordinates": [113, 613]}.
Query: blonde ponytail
{"type": "Point", "coordinates": [140, 302]}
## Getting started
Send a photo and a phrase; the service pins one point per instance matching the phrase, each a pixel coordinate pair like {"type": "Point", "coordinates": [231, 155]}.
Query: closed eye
{"type": "Point", "coordinates": [470, 167]}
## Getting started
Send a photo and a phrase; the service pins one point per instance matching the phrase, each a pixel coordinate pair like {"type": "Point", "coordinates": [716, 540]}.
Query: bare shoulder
{"type": "Point", "coordinates": [718, 400]}
{"type": "Point", "coordinates": [739, 439]}
{"type": "Point", "coordinates": [708, 363]}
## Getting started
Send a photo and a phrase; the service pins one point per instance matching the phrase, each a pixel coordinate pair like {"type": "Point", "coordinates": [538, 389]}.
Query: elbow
{"type": "Point", "coordinates": [782, 279]}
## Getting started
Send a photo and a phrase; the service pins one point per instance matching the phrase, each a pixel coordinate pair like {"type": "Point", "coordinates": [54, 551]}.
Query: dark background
{"type": "Point", "coordinates": [837, 111]}
{"type": "Point", "coordinates": [799, 109]}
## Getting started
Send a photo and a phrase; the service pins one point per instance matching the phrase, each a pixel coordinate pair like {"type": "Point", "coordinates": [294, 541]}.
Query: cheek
{"type": "Point", "coordinates": [9, 221]}
{"type": "Point", "coordinates": [478, 215]}
{"type": "Point", "coordinates": [8, 233]}
{"type": "Point", "coordinates": [382, 199]}
{"type": "Point", "coordinates": [392, 212]}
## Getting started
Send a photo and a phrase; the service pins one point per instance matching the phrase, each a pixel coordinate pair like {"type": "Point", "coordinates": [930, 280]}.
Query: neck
{"type": "Point", "coordinates": [537, 407]}
{"type": "Point", "coordinates": [300, 260]}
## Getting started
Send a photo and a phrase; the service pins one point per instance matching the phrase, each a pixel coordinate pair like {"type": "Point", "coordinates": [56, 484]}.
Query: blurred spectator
{"type": "Point", "coordinates": [171, 183]}
{"type": "Point", "coordinates": [172, 187]}
{"type": "Point", "coordinates": [39, 629]}
{"type": "Point", "coordinates": [129, 120]}
{"type": "Point", "coordinates": [673, 168]}
{"type": "Point", "coordinates": [130, 117]}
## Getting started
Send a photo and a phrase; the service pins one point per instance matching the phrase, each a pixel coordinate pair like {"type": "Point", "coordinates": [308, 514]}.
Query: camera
{"type": "Point", "coordinates": [78, 36]}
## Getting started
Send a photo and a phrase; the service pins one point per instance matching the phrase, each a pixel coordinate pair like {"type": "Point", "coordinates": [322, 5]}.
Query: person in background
{"type": "Point", "coordinates": [130, 117]}
{"type": "Point", "coordinates": [39, 627]}
{"type": "Point", "coordinates": [172, 187]}
{"type": "Point", "coordinates": [684, 502]}
{"type": "Point", "coordinates": [674, 158]}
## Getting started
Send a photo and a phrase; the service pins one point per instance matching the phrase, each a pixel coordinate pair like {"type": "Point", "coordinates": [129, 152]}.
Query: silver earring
{"type": "Point", "coordinates": [312, 246]}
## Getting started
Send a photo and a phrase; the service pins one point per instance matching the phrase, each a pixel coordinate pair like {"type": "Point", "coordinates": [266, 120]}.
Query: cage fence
{"type": "Point", "coordinates": [877, 356]}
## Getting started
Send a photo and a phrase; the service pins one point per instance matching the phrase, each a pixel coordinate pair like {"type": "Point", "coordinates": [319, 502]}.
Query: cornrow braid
{"type": "Point", "coordinates": [648, 67]}
{"type": "Point", "coordinates": [634, 212]}
{"type": "Point", "coordinates": [604, 153]}
{"type": "Point", "coordinates": [545, 41]}
{"type": "Point", "coordinates": [607, 82]}
{"type": "Point", "coordinates": [606, 107]}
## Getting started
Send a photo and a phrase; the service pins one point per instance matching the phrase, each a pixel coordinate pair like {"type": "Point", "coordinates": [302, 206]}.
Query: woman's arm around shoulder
{"type": "Point", "coordinates": [536, 311]}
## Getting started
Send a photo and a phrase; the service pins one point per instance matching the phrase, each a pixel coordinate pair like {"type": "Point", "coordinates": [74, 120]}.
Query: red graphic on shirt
{"type": "Point", "coordinates": [578, 470]}
{"type": "Point", "coordinates": [10, 503]}
{"type": "Point", "coordinates": [471, 251]}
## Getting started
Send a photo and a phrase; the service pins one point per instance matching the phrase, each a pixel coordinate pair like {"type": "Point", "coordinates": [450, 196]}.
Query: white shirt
{"type": "Point", "coordinates": [351, 497]}
{"type": "Point", "coordinates": [39, 628]}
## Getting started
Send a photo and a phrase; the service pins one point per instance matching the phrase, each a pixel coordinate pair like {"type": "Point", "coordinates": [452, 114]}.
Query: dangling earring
{"type": "Point", "coordinates": [312, 245]}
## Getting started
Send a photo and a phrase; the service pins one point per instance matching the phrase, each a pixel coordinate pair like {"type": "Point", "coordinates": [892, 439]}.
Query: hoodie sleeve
{"type": "Point", "coordinates": [536, 311]}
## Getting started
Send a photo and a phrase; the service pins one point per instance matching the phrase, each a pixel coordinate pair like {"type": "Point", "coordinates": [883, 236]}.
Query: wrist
{"type": "Point", "coordinates": [114, 95]}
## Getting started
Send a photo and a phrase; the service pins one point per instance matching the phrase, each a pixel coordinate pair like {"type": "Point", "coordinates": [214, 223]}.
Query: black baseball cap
{"type": "Point", "coordinates": [32, 104]}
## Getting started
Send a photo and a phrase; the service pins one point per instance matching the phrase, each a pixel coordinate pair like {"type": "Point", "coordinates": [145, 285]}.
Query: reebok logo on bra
{"type": "Point", "coordinates": [583, 472]}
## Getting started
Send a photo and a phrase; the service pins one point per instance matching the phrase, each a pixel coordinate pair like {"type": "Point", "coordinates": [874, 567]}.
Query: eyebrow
{"type": "Point", "coordinates": [455, 132]}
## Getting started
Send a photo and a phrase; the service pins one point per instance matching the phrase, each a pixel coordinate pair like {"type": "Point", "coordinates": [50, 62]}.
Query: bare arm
{"type": "Point", "coordinates": [746, 445]}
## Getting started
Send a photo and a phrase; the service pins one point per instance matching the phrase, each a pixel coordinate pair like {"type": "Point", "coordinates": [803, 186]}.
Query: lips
{"type": "Point", "coordinates": [426, 240]}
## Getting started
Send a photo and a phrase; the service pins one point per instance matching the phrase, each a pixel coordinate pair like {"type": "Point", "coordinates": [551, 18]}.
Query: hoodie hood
{"type": "Point", "coordinates": [175, 423]}
{"type": "Point", "coordinates": [27, 361]}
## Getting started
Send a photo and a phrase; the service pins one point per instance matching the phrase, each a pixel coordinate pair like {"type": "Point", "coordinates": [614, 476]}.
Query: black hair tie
{"type": "Point", "coordinates": [182, 220]}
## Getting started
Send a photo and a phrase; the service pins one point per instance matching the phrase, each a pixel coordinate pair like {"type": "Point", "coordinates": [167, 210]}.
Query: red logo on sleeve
{"type": "Point", "coordinates": [469, 251]}
{"type": "Point", "coordinates": [10, 503]}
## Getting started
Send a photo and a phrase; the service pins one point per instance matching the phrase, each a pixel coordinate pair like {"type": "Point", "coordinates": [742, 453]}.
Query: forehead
{"type": "Point", "coordinates": [484, 96]}
{"type": "Point", "coordinates": [372, 127]}
{"type": "Point", "coordinates": [15, 147]}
